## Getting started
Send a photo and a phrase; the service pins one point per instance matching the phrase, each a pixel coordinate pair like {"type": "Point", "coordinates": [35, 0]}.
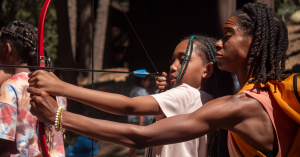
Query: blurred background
{"type": "Point", "coordinates": [76, 28]}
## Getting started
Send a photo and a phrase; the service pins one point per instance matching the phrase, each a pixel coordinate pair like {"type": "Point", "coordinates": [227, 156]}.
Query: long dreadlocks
{"type": "Point", "coordinates": [270, 41]}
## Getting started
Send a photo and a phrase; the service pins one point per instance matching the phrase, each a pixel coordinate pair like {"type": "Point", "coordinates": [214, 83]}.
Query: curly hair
{"type": "Point", "coordinates": [270, 41]}
{"type": "Point", "coordinates": [23, 36]}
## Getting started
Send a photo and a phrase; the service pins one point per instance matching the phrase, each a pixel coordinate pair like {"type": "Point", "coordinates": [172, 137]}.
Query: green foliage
{"type": "Point", "coordinates": [285, 8]}
{"type": "Point", "coordinates": [29, 11]}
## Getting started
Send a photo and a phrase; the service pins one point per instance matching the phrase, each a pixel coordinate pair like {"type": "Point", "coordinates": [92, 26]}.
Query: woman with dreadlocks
{"type": "Point", "coordinates": [262, 120]}
{"type": "Point", "coordinates": [254, 47]}
{"type": "Point", "coordinates": [18, 127]}
{"type": "Point", "coordinates": [194, 74]}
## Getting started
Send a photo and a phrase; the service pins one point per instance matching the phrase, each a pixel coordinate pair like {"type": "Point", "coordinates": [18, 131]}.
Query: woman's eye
{"type": "Point", "coordinates": [227, 36]}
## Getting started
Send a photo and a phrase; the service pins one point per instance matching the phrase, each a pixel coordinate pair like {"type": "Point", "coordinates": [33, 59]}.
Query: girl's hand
{"type": "Point", "coordinates": [162, 82]}
{"type": "Point", "coordinates": [43, 106]}
{"type": "Point", "coordinates": [47, 82]}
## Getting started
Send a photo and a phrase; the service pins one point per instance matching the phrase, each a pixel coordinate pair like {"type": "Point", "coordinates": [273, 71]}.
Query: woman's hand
{"type": "Point", "coordinates": [162, 82]}
{"type": "Point", "coordinates": [46, 81]}
{"type": "Point", "coordinates": [43, 106]}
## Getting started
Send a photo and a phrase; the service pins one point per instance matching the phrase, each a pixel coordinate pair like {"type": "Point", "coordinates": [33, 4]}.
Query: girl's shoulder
{"type": "Point", "coordinates": [19, 78]}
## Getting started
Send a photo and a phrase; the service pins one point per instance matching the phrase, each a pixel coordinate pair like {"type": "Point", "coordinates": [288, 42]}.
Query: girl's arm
{"type": "Point", "coordinates": [113, 103]}
{"type": "Point", "coordinates": [221, 113]}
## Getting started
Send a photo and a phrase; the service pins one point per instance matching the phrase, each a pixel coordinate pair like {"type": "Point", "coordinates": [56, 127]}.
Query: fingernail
{"type": "Point", "coordinates": [164, 79]}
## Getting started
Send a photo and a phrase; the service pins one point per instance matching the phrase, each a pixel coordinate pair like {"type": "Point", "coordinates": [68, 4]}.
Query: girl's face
{"type": "Point", "coordinates": [196, 68]}
{"type": "Point", "coordinates": [233, 48]}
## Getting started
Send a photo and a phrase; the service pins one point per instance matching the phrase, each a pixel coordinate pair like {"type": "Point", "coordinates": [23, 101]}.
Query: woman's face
{"type": "Point", "coordinates": [194, 72]}
{"type": "Point", "coordinates": [233, 48]}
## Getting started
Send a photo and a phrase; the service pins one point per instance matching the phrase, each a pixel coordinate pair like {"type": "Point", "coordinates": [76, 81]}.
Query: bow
{"type": "Point", "coordinates": [41, 63]}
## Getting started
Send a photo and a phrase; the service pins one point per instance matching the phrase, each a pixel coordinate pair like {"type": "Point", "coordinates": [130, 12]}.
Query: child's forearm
{"type": "Point", "coordinates": [113, 103]}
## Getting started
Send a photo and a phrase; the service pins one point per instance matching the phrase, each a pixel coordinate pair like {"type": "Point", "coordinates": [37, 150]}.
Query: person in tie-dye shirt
{"type": "Point", "coordinates": [18, 127]}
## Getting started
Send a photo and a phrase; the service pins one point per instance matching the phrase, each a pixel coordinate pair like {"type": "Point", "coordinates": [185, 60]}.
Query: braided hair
{"type": "Point", "coordinates": [23, 36]}
{"type": "Point", "coordinates": [219, 84]}
{"type": "Point", "coordinates": [270, 41]}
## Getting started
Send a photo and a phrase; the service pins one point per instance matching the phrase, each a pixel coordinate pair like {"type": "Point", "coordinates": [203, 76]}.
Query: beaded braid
{"type": "Point", "coordinates": [24, 37]}
{"type": "Point", "coordinates": [179, 77]}
{"type": "Point", "coordinates": [270, 41]}
{"type": "Point", "coordinates": [214, 61]}
{"type": "Point", "coordinates": [187, 62]}
{"type": "Point", "coordinates": [219, 84]}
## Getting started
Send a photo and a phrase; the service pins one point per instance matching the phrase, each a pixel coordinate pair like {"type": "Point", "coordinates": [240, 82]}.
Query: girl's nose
{"type": "Point", "coordinates": [173, 68]}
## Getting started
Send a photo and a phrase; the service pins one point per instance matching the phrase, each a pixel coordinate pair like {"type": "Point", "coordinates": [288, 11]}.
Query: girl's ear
{"type": "Point", "coordinates": [8, 49]}
{"type": "Point", "coordinates": [209, 69]}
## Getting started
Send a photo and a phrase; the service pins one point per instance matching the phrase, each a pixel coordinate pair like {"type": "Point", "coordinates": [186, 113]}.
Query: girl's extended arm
{"type": "Point", "coordinates": [113, 103]}
{"type": "Point", "coordinates": [211, 116]}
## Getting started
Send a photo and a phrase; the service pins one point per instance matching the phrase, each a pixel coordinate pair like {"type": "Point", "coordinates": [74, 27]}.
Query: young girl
{"type": "Point", "coordinates": [18, 127]}
{"type": "Point", "coordinates": [194, 74]}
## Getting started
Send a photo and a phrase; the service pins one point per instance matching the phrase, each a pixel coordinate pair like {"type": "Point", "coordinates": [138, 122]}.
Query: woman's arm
{"type": "Point", "coordinates": [170, 130]}
{"type": "Point", "coordinates": [109, 102]}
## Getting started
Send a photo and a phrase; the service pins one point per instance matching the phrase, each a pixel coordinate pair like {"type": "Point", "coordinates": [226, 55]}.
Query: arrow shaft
{"type": "Point", "coordinates": [74, 69]}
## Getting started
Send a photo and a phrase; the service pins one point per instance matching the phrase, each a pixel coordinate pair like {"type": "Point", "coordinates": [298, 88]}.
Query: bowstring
{"type": "Point", "coordinates": [140, 43]}
{"type": "Point", "coordinates": [137, 35]}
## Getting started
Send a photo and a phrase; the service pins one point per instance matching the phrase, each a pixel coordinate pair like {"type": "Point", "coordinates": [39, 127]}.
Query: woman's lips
{"type": "Point", "coordinates": [218, 56]}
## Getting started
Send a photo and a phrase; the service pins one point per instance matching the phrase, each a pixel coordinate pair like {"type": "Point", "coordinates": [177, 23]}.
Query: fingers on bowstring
{"type": "Point", "coordinates": [32, 82]}
{"type": "Point", "coordinates": [161, 83]}
{"type": "Point", "coordinates": [33, 107]}
{"type": "Point", "coordinates": [161, 87]}
{"type": "Point", "coordinates": [32, 74]}
{"type": "Point", "coordinates": [164, 74]}
{"type": "Point", "coordinates": [35, 73]}
{"type": "Point", "coordinates": [34, 91]}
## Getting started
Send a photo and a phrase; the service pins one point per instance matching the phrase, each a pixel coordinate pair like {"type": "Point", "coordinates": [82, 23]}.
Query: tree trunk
{"type": "Point", "coordinates": [72, 5]}
{"type": "Point", "coordinates": [226, 8]}
{"type": "Point", "coordinates": [84, 35]}
{"type": "Point", "coordinates": [100, 35]}
{"type": "Point", "coordinates": [65, 56]}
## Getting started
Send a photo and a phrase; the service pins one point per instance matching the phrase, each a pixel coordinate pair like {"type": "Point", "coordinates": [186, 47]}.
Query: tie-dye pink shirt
{"type": "Point", "coordinates": [18, 124]}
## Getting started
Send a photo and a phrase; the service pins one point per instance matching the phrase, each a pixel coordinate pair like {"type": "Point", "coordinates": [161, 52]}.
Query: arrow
{"type": "Point", "coordinates": [139, 73]}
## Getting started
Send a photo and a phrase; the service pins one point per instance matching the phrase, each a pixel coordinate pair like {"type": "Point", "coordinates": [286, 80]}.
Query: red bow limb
{"type": "Point", "coordinates": [41, 63]}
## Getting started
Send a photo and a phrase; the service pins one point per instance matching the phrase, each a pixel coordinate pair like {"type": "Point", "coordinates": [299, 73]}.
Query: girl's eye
{"type": "Point", "coordinates": [181, 60]}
